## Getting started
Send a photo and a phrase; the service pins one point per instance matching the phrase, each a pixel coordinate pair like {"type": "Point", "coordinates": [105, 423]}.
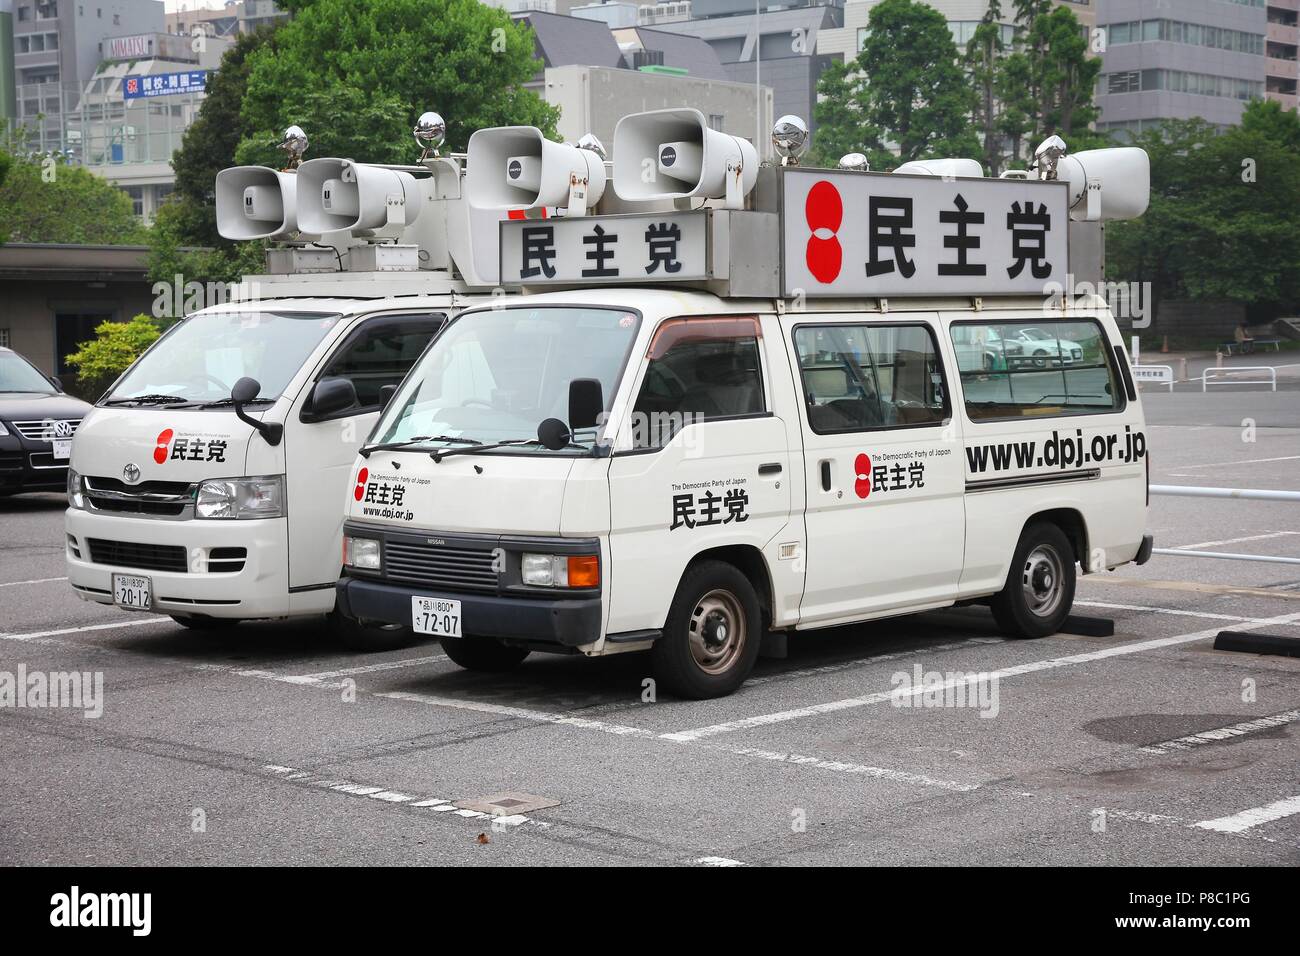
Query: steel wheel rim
{"type": "Point", "coordinates": [717, 632]}
{"type": "Point", "coordinates": [1043, 581]}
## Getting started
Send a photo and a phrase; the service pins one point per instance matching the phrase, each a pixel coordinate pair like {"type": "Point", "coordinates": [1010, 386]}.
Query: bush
{"type": "Point", "coordinates": [99, 361]}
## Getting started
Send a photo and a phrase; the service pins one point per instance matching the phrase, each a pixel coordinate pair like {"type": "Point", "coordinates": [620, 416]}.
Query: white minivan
{"type": "Point", "coordinates": [205, 484]}
{"type": "Point", "coordinates": [780, 399]}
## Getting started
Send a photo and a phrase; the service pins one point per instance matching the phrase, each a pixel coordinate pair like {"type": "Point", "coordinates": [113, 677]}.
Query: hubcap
{"type": "Point", "coordinates": [1043, 581]}
{"type": "Point", "coordinates": [717, 632]}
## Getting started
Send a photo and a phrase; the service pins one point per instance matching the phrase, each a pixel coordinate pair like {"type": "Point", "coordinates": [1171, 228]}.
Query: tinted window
{"type": "Point", "coordinates": [381, 353]}
{"type": "Point", "coordinates": [16, 375]}
{"type": "Point", "coordinates": [859, 377]}
{"type": "Point", "coordinates": [698, 369]}
{"type": "Point", "coordinates": [1013, 369]}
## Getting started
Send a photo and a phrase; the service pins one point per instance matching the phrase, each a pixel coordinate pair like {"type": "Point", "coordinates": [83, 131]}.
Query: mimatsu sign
{"type": "Point", "coordinates": [876, 234]}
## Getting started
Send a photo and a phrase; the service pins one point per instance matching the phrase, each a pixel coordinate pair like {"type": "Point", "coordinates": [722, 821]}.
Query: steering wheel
{"type": "Point", "coordinates": [225, 389]}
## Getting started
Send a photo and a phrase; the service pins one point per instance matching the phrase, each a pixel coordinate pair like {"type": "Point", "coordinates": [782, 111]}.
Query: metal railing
{"type": "Point", "coordinates": [1229, 370]}
{"type": "Point", "coordinates": [1244, 494]}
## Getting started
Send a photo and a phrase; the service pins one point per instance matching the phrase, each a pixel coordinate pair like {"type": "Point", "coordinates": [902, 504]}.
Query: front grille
{"type": "Point", "coordinates": [227, 560]}
{"type": "Point", "coordinates": [47, 429]}
{"type": "Point", "coordinates": [129, 554]}
{"type": "Point", "coordinates": [160, 499]}
{"type": "Point", "coordinates": [439, 566]}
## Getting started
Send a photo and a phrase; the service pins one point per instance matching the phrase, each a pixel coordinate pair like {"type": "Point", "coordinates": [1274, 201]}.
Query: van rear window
{"type": "Point", "coordinates": [1035, 369]}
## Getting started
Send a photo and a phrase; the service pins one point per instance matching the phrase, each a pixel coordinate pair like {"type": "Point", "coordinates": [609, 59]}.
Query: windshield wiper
{"type": "Point", "coordinates": [417, 440]}
{"type": "Point", "coordinates": [148, 400]}
{"type": "Point", "coordinates": [230, 401]}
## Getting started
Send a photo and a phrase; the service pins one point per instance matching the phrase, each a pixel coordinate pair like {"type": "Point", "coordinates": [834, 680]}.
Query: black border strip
{"type": "Point", "coordinates": [995, 484]}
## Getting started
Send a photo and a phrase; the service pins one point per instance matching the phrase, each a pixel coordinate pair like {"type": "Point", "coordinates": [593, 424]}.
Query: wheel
{"type": "Point", "coordinates": [711, 638]}
{"type": "Point", "coordinates": [1040, 585]}
{"type": "Point", "coordinates": [483, 653]}
{"type": "Point", "coordinates": [1040, 359]}
{"type": "Point", "coordinates": [201, 622]}
{"type": "Point", "coordinates": [367, 638]}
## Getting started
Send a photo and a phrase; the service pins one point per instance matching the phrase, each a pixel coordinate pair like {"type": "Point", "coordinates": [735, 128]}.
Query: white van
{"type": "Point", "coordinates": [190, 497]}
{"type": "Point", "coordinates": [625, 468]}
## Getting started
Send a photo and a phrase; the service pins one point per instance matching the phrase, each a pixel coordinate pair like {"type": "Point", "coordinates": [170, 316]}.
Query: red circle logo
{"type": "Point", "coordinates": [360, 490]}
{"type": "Point", "coordinates": [824, 213]}
{"type": "Point", "coordinates": [160, 446]}
{"type": "Point", "coordinates": [862, 474]}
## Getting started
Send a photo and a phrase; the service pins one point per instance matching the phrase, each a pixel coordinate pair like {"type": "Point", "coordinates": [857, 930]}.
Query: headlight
{"type": "Point", "coordinates": [560, 570]}
{"type": "Point", "coordinates": [3, 431]}
{"type": "Point", "coordinates": [241, 498]}
{"type": "Point", "coordinates": [74, 490]}
{"type": "Point", "coordinates": [361, 553]}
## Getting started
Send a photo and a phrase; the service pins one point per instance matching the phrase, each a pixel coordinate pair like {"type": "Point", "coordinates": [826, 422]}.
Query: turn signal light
{"type": "Point", "coordinates": [584, 571]}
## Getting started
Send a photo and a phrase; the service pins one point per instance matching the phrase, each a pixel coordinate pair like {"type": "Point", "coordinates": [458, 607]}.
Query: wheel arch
{"type": "Point", "coordinates": [1072, 524]}
{"type": "Point", "coordinates": [747, 559]}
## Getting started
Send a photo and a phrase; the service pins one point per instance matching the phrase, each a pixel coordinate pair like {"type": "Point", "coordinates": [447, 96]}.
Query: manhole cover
{"type": "Point", "coordinates": [508, 803]}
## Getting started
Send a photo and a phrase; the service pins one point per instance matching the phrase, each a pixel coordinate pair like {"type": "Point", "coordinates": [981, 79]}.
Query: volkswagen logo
{"type": "Point", "coordinates": [56, 429]}
{"type": "Point", "coordinates": [131, 474]}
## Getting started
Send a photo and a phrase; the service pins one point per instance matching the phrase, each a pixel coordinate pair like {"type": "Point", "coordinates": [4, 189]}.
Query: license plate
{"type": "Point", "coordinates": [132, 591]}
{"type": "Point", "coordinates": [435, 616]}
{"type": "Point", "coordinates": [62, 449]}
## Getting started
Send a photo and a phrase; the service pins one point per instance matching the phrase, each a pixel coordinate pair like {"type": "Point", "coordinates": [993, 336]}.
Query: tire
{"type": "Point", "coordinates": [483, 654]}
{"type": "Point", "coordinates": [711, 638]}
{"type": "Point", "coordinates": [1039, 591]}
{"type": "Point", "coordinates": [356, 636]}
{"type": "Point", "coordinates": [1040, 359]}
{"type": "Point", "coordinates": [201, 622]}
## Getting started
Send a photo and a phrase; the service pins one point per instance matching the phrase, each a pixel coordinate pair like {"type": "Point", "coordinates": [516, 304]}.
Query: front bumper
{"type": "Point", "coordinates": [30, 466]}
{"type": "Point", "coordinates": [258, 589]}
{"type": "Point", "coordinates": [562, 622]}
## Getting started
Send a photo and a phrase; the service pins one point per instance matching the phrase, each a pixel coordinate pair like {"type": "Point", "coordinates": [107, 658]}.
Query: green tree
{"type": "Point", "coordinates": [184, 239]}
{"type": "Point", "coordinates": [984, 54]}
{"type": "Point", "coordinates": [915, 91]}
{"type": "Point", "coordinates": [50, 201]}
{"type": "Point", "coordinates": [841, 125]}
{"type": "Point", "coordinates": [99, 361]}
{"type": "Point", "coordinates": [460, 57]}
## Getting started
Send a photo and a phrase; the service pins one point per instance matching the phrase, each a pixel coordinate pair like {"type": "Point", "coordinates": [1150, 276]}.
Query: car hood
{"type": "Point", "coordinates": [161, 445]}
{"type": "Point", "coordinates": [28, 407]}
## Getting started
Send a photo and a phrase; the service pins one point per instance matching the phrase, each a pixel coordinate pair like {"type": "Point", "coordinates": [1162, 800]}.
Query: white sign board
{"type": "Point", "coordinates": [878, 234]}
{"type": "Point", "coordinates": [640, 248]}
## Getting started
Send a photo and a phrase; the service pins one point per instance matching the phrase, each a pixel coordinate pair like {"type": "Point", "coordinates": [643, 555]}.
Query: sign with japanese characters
{"type": "Point", "coordinates": [649, 248]}
{"type": "Point", "coordinates": [164, 84]}
{"type": "Point", "coordinates": [855, 234]}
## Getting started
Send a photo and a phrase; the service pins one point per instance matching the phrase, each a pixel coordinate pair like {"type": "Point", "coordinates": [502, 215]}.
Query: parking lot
{"type": "Point", "coordinates": [266, 744]}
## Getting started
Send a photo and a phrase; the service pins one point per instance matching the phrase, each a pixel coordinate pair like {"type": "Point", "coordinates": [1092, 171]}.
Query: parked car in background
{"type": "Point", "coordinates": [37, 422]}
{"type": "Point", "coordinates": [1046, 349]}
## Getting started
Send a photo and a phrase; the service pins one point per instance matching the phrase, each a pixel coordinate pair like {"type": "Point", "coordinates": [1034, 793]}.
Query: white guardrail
{"type": "Point", "coordinates": [1227, 371]}
{"type": "Point", "coordinates": [1245, 494]}
{"type": "Point", "coordinates": [1153, 375]}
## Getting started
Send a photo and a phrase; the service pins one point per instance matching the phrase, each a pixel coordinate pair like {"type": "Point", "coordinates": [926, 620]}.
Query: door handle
{"type": "Point", "coordinates": [770, 468]}
{"type": "Point", "coordinates": [826, 474]}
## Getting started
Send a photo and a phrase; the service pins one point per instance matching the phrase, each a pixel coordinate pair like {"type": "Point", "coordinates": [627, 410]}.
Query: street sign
{"type": "Point", "coordinates": [874, 234]}
{"type": "Point", "coordinates": [164, 84]}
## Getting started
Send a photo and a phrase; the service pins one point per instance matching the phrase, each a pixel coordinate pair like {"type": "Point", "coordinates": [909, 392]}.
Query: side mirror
{"type": "Point", "coordinates": [553, 434]}
{"type": "Point", "coordinates": [56, 382]}
{"type": "Point", "coordinates": [386, 394]}
{"type": "Point", "coordinates": [586, 403]}
{"type": "Point", "coordinates": [243, 392]}
{"type": "Point", "coordinates": [331, 395]}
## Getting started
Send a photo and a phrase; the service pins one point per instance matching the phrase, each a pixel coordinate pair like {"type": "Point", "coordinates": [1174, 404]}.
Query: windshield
{"type": "Point", "coordinates": [16, 375]}
{"type": "Point", "coordinates": [202, 357]}
{"type": "Point", "coordinates": [1038, 335]}
{"type": "Point", "coordinates": [495, 375]}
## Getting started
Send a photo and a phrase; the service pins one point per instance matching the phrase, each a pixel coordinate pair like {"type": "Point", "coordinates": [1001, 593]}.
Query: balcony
{"type": "Point", "coordinates": [1281, 33]}
{"type": "Point", "coordinates": [1285, 68]}
{"type": "Point", "coordinates": [1285, 4]}
{"type": "Point", "coordinates": [1289, 101]}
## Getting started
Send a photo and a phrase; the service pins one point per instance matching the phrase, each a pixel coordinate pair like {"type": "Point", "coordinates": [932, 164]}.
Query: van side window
{"type": "Point", "coordinates": [861, 377]}
{"type": "Point", "coordinates": [381, 353]}
{"type": "Point", "coordinates": [698, 370]}
{"type": "Point", "coordinates": [1048, 367]}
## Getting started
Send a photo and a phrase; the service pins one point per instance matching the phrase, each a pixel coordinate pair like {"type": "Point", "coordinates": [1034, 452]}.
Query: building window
{"type": "Point", "coordinates": [715, 121]}
{"type": "Point", "coordinates": [137, 199]}
{"type": "Point", "coordinates": [24, 13]}
{"type": "Point", "coordinates": [4, 338]}
{"type": "Point", "coordinates": [24, 44]}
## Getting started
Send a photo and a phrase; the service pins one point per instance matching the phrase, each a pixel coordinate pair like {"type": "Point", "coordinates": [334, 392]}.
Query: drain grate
{"type": "Point", "coordinates": [507, 803]}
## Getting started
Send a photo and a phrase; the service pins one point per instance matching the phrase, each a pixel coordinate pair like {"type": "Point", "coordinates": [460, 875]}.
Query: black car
{"type": "Point", "coordinates": [37, 421]}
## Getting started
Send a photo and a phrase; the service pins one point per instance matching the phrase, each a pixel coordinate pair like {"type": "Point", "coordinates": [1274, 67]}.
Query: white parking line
{"type": "Point", "coordinates": [900, 776]}
{"type": "Point", "coordinates": [14, 584]}
{"type": "Point", "coordinates": [716, 861]}
{"type": "Point", "coordinates": [848, 703]}
{"type": "Point", "coordinates": [1200, 545]}
{"type": "Point", "coordinates": [618, 730]}
{"type": "Point", "coordinates": [1253, 817]}
{"type": "Point", "coordinates": [36, 635]}
{"type": "Point", "coordinates": [371, 792]}
{"type": "Point", "coordinates": [1146, 608]}
{"type": "Point", "coordinates": [874, 659]}
{"type": "Point", "coordinates": [1222, 733]}
{"type": "Point", "coordinates": [371, 668]}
